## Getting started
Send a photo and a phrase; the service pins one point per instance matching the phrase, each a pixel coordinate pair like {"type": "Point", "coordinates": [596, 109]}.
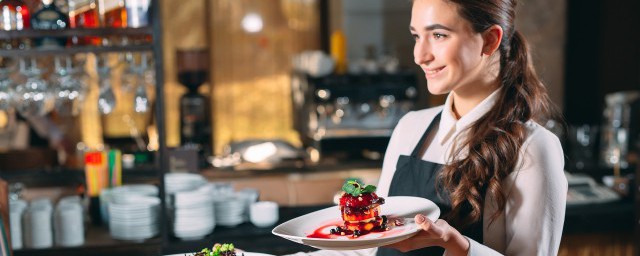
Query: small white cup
{"type": "Point", "coordinates": [264, 214]}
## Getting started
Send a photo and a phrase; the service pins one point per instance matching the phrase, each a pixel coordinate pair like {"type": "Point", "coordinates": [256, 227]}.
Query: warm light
{"type": "Point", "coordinates": [260, 152]}
{"type": "Point", "coordinates": [252, 23]}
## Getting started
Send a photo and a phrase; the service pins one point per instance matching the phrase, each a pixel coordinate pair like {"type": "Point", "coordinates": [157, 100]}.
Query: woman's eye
{"type": "Point", "coordinates": [439, 36]}
{"type": "Point", "coordinates": [415, 37]}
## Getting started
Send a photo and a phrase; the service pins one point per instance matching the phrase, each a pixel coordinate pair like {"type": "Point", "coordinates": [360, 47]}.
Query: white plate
{"type": "Point", "coordinates": [245, 254]}
{"type": "Point", "coordinates": [299, 228]}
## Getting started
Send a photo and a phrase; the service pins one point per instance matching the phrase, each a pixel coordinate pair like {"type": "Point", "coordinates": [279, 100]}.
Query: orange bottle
{"type": "Point", "coordinates": [339, 51]}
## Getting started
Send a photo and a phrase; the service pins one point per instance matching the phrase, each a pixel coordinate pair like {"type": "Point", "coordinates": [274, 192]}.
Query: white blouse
{"type": "Point", "coordinates": [536, 191]}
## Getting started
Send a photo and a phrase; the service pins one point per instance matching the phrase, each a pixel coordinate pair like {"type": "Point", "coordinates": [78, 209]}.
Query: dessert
{"type": "Point", "coordinates": [218, 250]}
{"type": "Point", "coordinates": [360, 208]}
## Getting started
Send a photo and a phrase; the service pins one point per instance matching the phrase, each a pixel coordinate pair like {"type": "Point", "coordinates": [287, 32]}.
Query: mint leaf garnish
{"type": "Point", "coordinates": [354, 188]}
{"type": "Point", "coordinates": [349, 188]}
{"type": "Point", "coordinates": [369, 189]}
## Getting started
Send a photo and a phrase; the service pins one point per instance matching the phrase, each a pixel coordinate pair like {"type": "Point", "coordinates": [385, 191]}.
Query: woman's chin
{"type": "Point", "coordinates": [437, 90]}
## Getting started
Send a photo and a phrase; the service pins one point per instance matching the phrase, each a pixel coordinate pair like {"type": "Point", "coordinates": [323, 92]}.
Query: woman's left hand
{"type": "Point", "coordinates": [438, 233]}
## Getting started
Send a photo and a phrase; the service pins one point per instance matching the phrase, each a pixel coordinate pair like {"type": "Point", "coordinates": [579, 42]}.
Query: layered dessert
{"type": "Point", "coordinates": [218, 250]}
{"type": "Point", "coordinates": [360, 209]}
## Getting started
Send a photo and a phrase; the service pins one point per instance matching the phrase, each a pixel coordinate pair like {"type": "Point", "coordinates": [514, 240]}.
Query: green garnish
{"type": "Point", "coordinates": [354, 188]}
{"type": "Point", "coordinates": [216, 250]}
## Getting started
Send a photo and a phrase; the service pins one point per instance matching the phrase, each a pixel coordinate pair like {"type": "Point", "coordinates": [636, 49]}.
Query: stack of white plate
{"type": "Point", "coordinates": [177, 182]}
{"type": "Point", "coordinates": [16, 209]}
{"type": "Point", "coordinates": [68, 222]}
{"type": "Point", "coordinates": [193, 214]}
{"type": "Point", "coordinates": [134, 218]}
{"type": "Point", "coordinates": [230, 210]}
{"type": "Point", "coordinates": [108, 195]}
{"type": "Point", "coordinates": [37, 224]}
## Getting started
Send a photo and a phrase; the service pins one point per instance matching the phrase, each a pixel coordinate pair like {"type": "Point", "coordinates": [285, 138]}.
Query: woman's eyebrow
{"type": "Point", "coordinates": [432, 27]}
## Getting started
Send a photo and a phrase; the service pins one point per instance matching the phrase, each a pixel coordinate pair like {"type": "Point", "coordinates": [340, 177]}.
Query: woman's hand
{"type": "Point", "coordinates": [438, 233]}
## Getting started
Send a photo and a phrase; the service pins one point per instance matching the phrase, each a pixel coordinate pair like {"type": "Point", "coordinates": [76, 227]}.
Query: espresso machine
{"type": "Point", "coordinates": [350, 115]}
{"type": "Point", "coordinates": [620, 130]}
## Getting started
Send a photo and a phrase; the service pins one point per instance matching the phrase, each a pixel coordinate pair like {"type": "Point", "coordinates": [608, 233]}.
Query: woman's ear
{"type": "Point", "coordinates": [492, 38]}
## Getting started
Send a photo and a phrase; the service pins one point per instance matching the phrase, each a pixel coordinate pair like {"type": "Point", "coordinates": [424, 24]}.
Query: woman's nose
{"type": "Point", "coordinates": [422, 53]}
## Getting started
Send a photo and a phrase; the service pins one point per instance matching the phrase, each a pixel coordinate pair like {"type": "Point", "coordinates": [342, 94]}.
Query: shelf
{"type": "Point", "coordinates": [76, 49]}
{"type": "Point", "coordinates": [100, 32]}
{"type": "Point", "coordinates": [99, 242]}
{"type": "Point", "coordinates": [72, 177]}
{"type": "Point", "coordinates": [326, 166]}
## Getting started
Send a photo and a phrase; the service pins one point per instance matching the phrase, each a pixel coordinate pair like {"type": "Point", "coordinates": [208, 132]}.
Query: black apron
{"type": "Point", "coordinates": [415, 177]}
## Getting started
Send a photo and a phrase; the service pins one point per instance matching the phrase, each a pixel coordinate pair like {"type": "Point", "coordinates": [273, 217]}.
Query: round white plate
{"type": "Point", "coordinates": [245, 254]}
{"type": "Point", "coordinates": [406, 207]}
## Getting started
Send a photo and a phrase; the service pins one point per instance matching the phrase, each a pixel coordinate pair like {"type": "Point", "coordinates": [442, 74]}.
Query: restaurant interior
{"type": "Point", "coordinates": [161, 127]}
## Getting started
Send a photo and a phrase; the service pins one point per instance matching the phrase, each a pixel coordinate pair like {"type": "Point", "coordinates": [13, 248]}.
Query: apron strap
{"type": "Point", "coordinates": [426, 139]}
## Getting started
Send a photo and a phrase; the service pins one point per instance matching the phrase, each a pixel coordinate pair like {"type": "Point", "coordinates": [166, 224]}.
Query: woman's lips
{"type": "Point", "coordinates": [433, 72]}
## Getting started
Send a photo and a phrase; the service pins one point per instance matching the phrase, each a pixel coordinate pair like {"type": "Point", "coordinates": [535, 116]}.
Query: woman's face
{"type": "Point", "coordinates": [446, 47]}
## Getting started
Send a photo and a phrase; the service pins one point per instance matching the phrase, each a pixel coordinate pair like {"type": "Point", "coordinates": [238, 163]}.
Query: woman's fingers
{"type": "Point", "coordinates": [436, 229]}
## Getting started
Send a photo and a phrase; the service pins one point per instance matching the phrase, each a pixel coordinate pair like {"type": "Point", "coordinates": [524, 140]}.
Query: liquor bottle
{"type": "Point", "coordinates": [14, 15]}
{"type": "Point", "coordinates": [84, 14]}
{"type": "Point", "coordinates": [113, 15]}
{"type": "Point", "coordinates": [49, 17]}
{"type": "Point", "coordinates": [138, 15]}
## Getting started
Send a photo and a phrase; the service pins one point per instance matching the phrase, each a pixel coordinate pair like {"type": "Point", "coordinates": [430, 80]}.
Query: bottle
{"type": "Point", "coordinates": [49, 17]}
{"type": "Point", "coordinates": [113, 15]}
{"type": "Point", "coordinates": [138, 15]}
{"type": "Point", "coordinates": [14, 15]}
{"type": "Point", "coordinates": [339, 51]}
{"type": "Point", "coordinates": [84, 14]}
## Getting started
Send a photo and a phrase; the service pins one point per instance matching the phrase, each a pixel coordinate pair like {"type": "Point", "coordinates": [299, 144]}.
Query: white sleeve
{"type": "Point", "coordinates": [536, 201]}
{"type": "Point", "coordinates": [363, 252]}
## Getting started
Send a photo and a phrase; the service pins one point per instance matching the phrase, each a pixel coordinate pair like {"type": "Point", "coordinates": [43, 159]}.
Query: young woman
{"type": "Point", "coordinates": [494, 171]}
{"type": "Point", "coordinates": [496, 174]}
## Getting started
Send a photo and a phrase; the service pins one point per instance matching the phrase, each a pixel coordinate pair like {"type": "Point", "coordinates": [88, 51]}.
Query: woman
{"type": "Point", "coordinates": [499, 174]}
{"type": "Point", "coordinates": [495, 173]}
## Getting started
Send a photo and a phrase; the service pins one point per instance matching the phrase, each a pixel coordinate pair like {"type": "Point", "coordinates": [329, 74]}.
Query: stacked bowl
{"type": "Point", "coordinates": [37, 225]}
{"type": "Point", "coordinates": [134, 217]}
{"type": "Point", "coordinates": [192, 213]}
{"type": "Point", "coordinates": [68, 222]}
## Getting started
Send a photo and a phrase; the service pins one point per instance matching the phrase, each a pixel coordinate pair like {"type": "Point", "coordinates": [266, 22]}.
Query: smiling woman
{"type": "Point", "coordinates": [482, 157]}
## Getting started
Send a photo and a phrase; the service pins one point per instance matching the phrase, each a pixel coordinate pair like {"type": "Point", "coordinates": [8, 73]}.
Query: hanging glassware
{"type": "Point", "coordinates": [70, 89]}
{"type": "Point", "coordinates": [106, 97]}
{"type": "Point", "coordinates": [32, 97]}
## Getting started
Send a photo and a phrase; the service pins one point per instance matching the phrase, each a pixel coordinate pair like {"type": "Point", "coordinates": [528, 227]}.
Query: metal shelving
{"type": "Point", "coordinates": [98, 240]}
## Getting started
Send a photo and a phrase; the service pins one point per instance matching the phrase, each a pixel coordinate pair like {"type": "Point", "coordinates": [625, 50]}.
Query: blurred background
{"type": "Point", "coordinates": [266, 100]}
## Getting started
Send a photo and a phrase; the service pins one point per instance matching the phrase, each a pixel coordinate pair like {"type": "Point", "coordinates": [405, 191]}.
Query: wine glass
{"type": "Point", "coordinates": [137, 77]}
{"type": "Point", "coordinates": [70, 85]}
{"type": "Point", "coordinates": [106, 97]}
{"type": "Point", "coordinates": [6, 84]}
{"type": "Point", "coordinates": [7, 115]}
{"type": "Point", "coordinates": [32, 97]}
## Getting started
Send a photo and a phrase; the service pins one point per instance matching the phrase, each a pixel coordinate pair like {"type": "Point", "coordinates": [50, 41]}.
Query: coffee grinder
{"type": "Point", "coordinates": [195, 125]}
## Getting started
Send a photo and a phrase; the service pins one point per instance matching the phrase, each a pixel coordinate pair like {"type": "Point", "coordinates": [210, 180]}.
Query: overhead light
{"type": "Point", "coordinates": [252, 23]}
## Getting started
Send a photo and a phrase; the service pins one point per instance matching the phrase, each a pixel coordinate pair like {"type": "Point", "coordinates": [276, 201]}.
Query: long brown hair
{"type": "Point", "coordinates": [494, 141]}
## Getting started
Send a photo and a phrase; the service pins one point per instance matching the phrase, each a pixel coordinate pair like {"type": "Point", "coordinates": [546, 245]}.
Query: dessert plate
{"type": "Point", "coordinates": [238, 253]}
{"type": "Point", "coordinates": [402, 207]}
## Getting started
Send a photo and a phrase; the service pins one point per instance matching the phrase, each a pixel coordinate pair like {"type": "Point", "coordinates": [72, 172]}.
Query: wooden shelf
{"type": "Point", "coordinates": [77, 49]}
{"type": "Point", "coordinates": [99, 242]}
{"type": "Point", "coordinates": [72, 177]}
{"type": "Point", "coordinates": [99, 32]}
